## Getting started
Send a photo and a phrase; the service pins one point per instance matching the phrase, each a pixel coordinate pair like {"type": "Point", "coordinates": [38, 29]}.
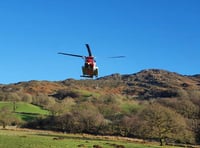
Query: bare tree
{"type": "Point", "coordinates": [161, 123]}
{"type": "Point", "coordinates": [56, 109]}
{"type": "Point", "coordinates": [83, 118]}
{"type": "Point", "coordinates": [6, 117]}
{"type": "Point", "coordinates": [27, 98]}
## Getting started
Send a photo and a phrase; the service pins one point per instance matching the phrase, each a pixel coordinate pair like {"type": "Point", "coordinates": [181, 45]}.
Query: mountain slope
{"type": "Point", "coordinates": [146, 84]}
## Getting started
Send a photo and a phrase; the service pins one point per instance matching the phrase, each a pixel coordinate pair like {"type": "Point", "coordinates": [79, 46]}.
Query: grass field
{"type": "Point", "coordinates": [25, 111]}
{"type": "Point", "coordinates": [45, 139]}
{"type": "Point", "coordinates": [22, 107]}
{"type": "Point", "coordinates": [24, 138]}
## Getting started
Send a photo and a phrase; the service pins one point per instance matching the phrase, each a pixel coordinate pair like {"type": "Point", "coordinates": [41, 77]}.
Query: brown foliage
{"type": "Point", "coordinates": [162, 123]}
{"type": "Point", "coordinates": [7, 117]}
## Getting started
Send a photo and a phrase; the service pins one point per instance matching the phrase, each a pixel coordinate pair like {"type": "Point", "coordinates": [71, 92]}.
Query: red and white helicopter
{"type": "Point", "coordinates": [89, 69]}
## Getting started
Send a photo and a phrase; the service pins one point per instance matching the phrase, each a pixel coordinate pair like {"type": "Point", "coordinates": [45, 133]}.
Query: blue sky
{"type": "Point", "coordinates": [163, 34]}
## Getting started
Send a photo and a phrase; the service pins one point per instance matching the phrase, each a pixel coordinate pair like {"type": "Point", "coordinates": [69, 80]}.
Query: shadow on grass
{"type": "Point", "coordinates": [27, 116]}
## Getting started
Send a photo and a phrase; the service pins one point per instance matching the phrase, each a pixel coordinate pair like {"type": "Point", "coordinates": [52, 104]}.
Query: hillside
{"type": "Point", "coordinates": [146, 84]}
{"type": "Point", "coordinates": [151, 104]}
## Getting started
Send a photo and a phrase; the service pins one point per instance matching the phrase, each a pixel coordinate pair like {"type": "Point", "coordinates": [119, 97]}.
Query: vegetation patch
{"type": "Point", "coordinates": [22, 107]}
{"type": "Point", "coordinates": [44, 139]}
{"type": "Point", "coordinates": [23, 111]}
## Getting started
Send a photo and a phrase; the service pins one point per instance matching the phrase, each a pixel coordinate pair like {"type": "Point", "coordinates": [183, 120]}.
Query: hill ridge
{"type": "Point", "coordinates": [145, 84]}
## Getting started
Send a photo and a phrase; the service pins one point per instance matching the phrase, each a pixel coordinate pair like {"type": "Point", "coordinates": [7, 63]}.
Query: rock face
{"type": "Point", "coordinates": [146, 84]}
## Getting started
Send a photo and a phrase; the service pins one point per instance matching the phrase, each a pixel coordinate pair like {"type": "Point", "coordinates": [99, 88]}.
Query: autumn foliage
{"type": "Point", "coordinates": [152, 104]}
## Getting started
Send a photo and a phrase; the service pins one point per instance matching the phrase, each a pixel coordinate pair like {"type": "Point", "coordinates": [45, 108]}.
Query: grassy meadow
{"type": "Point", "coordinates": [22, 107]}
{"type": "Point", "coordinates": [46, 139]}
{"type": "Point", "coordinates": [24, 111]}
{"type": "Point", "coordinates": [25, 138]}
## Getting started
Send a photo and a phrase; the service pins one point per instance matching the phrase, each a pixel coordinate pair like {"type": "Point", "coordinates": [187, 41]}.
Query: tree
{"type": "Point", "coordinates": [89, 117]}
{"type": "Point", "coordinates": [56, 109]}
{"type": "Point", "coordinates": [83, 118]}
{"type": "Point", "coordinates": [26, 98]}
{"type": "Point", "coordinates": [41, 100]}
{"type": "Point", "coordinates": [187, 108]}
{"type": "Point", "coordinates": [69, 122]}
{"type": "Point", "coordinates": [6, 117]}
{"type": "Point", "coordinates": [130, 125]}
{"type": "Point", "coordinates": [2, 96]}
{"type": "Point", "coordinates": [161, 123]}
{"type": "Point", "coordinates": [12, 96]}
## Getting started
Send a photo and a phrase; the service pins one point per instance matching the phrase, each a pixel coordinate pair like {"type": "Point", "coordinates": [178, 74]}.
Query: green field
{"type": "Point", "coordinates": [24, 138]}
{"type": "Point", "coordinates": [25, 111]}
{"type": "Point", "coordinates": [44, 139]}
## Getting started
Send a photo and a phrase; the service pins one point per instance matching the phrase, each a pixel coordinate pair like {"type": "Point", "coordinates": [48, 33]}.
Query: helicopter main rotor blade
{"type": "Point", "coordinates": [74, 55]}
{"type": "Point", "coordinates": [88, 48]}
{"type": "Point", "coordinates": [117, 57]}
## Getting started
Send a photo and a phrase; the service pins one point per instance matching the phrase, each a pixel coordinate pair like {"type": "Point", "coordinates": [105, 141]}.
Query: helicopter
{"type": "Point", "coordinates": [89, 69]}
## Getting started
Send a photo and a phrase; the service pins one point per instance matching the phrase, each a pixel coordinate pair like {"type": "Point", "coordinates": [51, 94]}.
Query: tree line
{"type": "Point", "coordinates": [165, 120]}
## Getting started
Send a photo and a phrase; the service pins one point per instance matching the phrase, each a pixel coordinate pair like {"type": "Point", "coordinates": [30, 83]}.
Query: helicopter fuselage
{"type": "Point", "coordinates": [89, 69]}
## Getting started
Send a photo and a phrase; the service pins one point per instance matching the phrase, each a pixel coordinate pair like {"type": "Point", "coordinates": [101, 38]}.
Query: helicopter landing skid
{"type": "Point", "coordinates": [86, 76]}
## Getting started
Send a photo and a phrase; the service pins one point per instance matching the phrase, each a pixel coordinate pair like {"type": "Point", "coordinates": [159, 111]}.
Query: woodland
{"type": "Point", "coordinates": [154, 105]}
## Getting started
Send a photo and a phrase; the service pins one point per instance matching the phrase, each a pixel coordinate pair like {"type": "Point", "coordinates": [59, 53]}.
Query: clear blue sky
{"type": "Point", "coordinates": [162, 34]}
